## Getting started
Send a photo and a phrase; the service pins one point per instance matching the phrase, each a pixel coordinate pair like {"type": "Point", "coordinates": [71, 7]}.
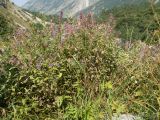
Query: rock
{"type": "Point", "coordinates": [124, 44]}
{"type": "Point", "coordinates": [152, 51]}
{"type": "Point", "coordinates": [1, 51]}
{"type": "Point", "coordinates": [126, 117]}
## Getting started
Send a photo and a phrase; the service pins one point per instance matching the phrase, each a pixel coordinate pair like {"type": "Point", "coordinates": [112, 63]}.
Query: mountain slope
{"type": "Point", "coordinates": [70, 7]}
{"type": "Point", "coordinates": [13, 18]}
{"type": "Point", "coordinates": [108, 4]}
{"type": "Point", "coordinates": [18, 16]}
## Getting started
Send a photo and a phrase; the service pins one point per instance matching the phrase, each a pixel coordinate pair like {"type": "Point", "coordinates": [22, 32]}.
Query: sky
{"type": "Point", "coordinates": [19, 2]}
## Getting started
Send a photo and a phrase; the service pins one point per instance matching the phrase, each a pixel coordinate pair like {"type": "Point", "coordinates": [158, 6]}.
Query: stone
{"type": "Point", "coordinates": [126, 117]}
{"type": "Point", "coordinates": [1, 51]}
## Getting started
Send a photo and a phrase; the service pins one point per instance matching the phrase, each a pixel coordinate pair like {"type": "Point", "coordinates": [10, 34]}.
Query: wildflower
{"type": "Point", "coordinates": [63, 38]}
{"type": "Point", "coordinates": [53, 29]}
{"type": "Point", "coordinates": [38, 66]}
{"type": "Point", "coordinates": [66, 28]}
{"type": "Point", "coordinates": [14, 60]}
{"type": "Point", "coordinates": [80, 19]}
{"type": "Point", "coordinates": [81, 16]}
{"type": "Point", "coordinates": [61, 16]}
{"type": "Point", "coordinates": [60, 21]}
{"type": "Point", "coordinates": [90, 19]}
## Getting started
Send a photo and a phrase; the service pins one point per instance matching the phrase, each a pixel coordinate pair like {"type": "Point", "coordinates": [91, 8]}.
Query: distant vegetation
{"type": "Point", "coordinates": [44, 17]}
{"type": "Point", "coordinates": [136, 22]}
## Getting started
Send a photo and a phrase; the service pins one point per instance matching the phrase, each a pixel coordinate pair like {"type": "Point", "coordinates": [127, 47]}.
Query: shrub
{"type": "Point", "coordinates": [5, 27]}
{"type": "Point", "coordinates": [37, 26]}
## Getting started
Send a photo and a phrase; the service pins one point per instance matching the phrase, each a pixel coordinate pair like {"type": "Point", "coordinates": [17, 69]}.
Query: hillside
{"type": "Point", "coordinates": [14, 17]}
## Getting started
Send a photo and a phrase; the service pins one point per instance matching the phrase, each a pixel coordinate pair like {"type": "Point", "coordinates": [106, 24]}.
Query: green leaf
{"type": "Point", "coordinates": [109, 85]}
{"type": "Point", "coordinates": [60, 75]}
{"type": "Point", "coordinates": [59, 100]}
{"type": "Point", "coordinates": [138, 93]}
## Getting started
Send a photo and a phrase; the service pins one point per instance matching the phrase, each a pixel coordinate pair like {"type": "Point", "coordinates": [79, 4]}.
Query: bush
{"type": "Point", "coordinates": [37, 26]}
{"type": "Point", "coordinates": [5, 27]}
